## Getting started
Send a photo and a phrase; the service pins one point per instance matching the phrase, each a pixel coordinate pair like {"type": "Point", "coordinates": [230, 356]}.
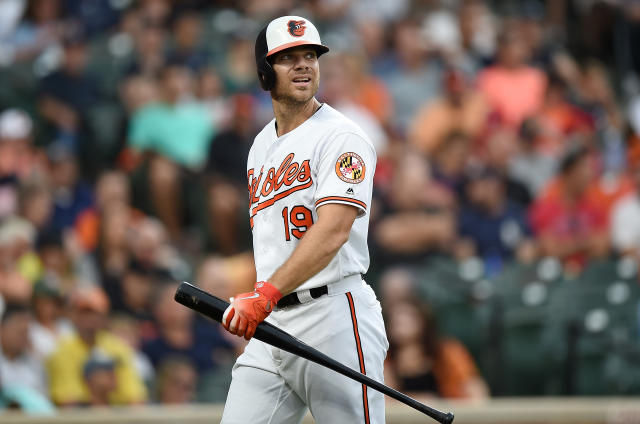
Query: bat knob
{"type": "Point", "coordinates": [447, 419]}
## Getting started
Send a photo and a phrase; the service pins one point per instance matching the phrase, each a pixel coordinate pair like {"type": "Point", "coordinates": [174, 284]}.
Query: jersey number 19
{"type": "Point", "coordinates": [300, 217]}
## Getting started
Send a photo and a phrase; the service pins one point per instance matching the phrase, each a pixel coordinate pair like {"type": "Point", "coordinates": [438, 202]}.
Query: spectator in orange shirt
{"type": "Point", "coordinates": [568, 222]}
{"type": "Point", "coordinates": [369, 90]}
{"type": "Point", "coordinates": [460, 109]}
{"type": "Point", "coordinates": [558, 119]}
{"type": "Point", "coordinates": [421, 363]}
{"type": "Point", "coordinates": [111, 191]}
{"type": "Point", "coordinates": [513, 89]}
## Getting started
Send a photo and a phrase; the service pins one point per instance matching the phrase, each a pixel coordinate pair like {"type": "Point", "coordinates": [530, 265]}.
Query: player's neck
{"type": "Point", "coordinates": [291, 116]}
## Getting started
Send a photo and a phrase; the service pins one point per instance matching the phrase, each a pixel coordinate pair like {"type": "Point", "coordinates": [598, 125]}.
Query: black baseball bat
{"type": "Point", "coordinates": [213, 307]}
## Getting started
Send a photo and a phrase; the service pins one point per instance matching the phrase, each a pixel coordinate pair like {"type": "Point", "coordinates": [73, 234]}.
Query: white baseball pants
{"type": "Point", "coordinates": [272, 386]}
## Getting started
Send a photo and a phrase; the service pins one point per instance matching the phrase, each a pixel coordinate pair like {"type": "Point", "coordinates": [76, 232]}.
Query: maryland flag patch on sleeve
{"type": "Point", "coordinates": [350, 168]}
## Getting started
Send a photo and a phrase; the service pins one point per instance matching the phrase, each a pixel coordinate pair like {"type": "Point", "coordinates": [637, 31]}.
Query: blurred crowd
{"type": "Point", "coordinates": [506, 131]}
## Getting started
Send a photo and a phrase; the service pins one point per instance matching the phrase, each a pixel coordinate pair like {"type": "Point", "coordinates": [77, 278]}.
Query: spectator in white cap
{"type": "Point", "coordinates": [15, 142]}
{"type": "Point", "coordinates": [12, 127]}
{"type": "Point", "coordinates": [18, 158]}
{"type": "Point", "coordinates": [15, 124]}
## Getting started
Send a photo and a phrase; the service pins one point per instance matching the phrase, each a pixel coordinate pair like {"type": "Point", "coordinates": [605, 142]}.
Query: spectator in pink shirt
{"type": "Point", "coordinates": [514, 89]}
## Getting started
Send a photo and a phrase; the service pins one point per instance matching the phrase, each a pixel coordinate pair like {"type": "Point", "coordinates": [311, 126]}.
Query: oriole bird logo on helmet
{"type": "Point", "coordinates": [296, 28]}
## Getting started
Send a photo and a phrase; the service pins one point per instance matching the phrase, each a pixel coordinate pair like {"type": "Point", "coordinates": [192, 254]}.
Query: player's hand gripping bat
{"type": "Point", "coordinates": [213, 307]}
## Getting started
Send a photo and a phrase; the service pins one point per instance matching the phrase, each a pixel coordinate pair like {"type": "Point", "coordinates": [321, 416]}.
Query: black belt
{"type": "Point", "coordinates": [292, 298]}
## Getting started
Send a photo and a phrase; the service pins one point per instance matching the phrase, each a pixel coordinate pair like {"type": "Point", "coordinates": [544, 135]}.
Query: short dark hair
{"type": "Point", "coordinates": [12, 309]}
{"type": "Point", "coordinates": [571, 157]}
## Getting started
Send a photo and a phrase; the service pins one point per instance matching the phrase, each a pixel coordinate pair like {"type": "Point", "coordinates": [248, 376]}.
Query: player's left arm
{"type": "Point", "coordinates": [317, 248]}
{"type": "Point", "coordinates": [314, 252]}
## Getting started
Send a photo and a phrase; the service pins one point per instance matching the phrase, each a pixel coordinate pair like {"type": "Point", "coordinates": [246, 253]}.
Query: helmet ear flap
{"type": "Point", "coordinates": [266, 75]}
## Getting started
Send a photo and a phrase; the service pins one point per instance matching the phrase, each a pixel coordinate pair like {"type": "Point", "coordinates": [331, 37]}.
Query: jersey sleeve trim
{"type": "Point", "coordinates": [340, 199]}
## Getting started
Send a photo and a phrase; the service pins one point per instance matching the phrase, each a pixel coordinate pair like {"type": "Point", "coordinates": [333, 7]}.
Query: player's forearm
{"type": "Point", "coordinates": [314, 252]}
{"type": "Point", "coordinates": [317, 248]}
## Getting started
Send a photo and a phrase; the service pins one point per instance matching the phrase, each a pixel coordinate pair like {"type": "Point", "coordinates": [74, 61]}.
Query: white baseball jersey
{"type": "Point", "coordinates": [327, 159]}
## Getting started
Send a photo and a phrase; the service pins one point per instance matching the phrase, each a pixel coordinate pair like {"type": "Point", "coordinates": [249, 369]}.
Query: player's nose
{"type": "Point", "coordinates": [300, 63]}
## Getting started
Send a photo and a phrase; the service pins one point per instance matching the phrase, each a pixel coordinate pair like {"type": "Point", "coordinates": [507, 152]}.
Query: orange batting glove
{"type": "Point", "coordinates": [247, 310]}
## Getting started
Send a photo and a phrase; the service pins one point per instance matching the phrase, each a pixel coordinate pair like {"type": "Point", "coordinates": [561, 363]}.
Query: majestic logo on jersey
{"type": "Point", "coordinates": [350, 168]}
{"type": "Point", "coordinates": [296, 28]}
{"type": "Point", "coordinates": [291, 174]}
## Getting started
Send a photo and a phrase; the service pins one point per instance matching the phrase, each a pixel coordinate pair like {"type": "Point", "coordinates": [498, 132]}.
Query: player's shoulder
{"type": "Point", "coordinates": [337, 124]}
{"type": "Point", "coordinates": [266, 132]}
{"type": "Point", "coordinates": [262, 139]}
{"type": "Point", "coordinates": [335, 120]}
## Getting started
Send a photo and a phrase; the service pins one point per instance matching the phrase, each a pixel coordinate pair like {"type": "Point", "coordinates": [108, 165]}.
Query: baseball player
{"type": "Point", "coordinates": [310, 173]}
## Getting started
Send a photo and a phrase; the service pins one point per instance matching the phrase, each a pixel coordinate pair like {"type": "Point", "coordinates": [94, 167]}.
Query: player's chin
{"type": "Point", "coordinates": [304, 94]}
{"type": "Point", "coordinates": [294, 95]}
{"type": "Point", "coordinates": [303, 97]}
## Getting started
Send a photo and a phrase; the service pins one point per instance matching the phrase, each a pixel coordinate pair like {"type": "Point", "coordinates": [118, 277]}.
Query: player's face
{"type": "Point", "coordinates": [297, 75]}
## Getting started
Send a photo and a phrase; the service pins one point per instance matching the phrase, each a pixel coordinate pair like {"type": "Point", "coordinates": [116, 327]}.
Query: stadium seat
{"type": "Point", "coordinates": [104, 121]}
{"type": "Point", "coordinates": [523, 313]}
{"type": "Point", "coordinates": [214, 385]}
{"type": "Point", "coordinates": [602, 317]}
{"type": "Point", "coordinates": [19, 86]}
{"type": "Point", "coordinates": [460, 297]}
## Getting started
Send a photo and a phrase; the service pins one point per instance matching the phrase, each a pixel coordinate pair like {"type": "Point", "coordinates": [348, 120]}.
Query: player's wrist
{"type": "Point", "coordinates": [270, 291]}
